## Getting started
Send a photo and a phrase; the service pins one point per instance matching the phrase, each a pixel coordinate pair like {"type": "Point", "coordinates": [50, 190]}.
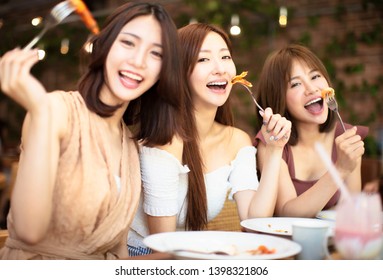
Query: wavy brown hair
{"type": "Point", "coordinates": [274, 79]}
{"type": "Point", "coordinates": [191, 39]}
{"type": "Point", "coordinates": [153, 116]}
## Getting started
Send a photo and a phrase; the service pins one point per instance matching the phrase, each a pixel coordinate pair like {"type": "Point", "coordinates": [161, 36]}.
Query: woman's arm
{"type": "Point", "coordinates": [307, 204]}
{"type": "Point", "coordinates": [350, 148]}
{"type": "Point", "coordinates": [161, 171]}
{"type": "Point", "coordinates": [261, 203]}
{"type": "Point", "coordinates": [32, 195]}
{"type": "Point", "coordinates": [162, 224]}
{"type": "Point", "coordinates": [33, 191]}
{"type": "Point", "coordinates": [264, 200]}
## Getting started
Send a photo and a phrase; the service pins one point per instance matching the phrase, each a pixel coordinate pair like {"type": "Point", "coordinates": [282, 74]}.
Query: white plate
{"type": "Point", "coordinates": [209, 241]}
{"type": "Point", "coordinates": [277, 225]}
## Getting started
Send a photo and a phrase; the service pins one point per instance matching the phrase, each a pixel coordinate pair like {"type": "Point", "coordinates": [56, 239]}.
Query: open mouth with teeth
{"type": "Point", "coordinates": [217, 85]}
{"type": "Point", "coordinates": [130, 76]}
{"type": "Point", "coordinates": [315, 105]}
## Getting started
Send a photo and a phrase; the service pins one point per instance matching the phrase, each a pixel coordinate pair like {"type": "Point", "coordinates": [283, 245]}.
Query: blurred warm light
{"type": "Point", "coordinates": [192, 20]}
{"type": "Point", "coordinates": [1, 22]}
{"type": "Point", "coordinates": [88, 47]}
{"type": "Point", "coordinates": [234, 19]}
{"type": "Point", "coordinates": [235, 29]}
{"type": "Point", "coordinates": [41, 54]}
{"type": "Point", "coordinates": [283, 21]}
{"type": "Point", "coordinates": [36, 21]}
{"type": "Point", "coordinates": [64, 46]}
{"type": "Point", "coordinates": [283, 16]}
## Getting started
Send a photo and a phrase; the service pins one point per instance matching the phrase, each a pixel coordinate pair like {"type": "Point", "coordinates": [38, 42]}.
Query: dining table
{"type": "Point", "coordinates": [332, 254]}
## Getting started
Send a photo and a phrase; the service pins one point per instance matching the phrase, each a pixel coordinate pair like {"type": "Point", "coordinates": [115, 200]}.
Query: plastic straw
{"type": "Point", "coordinates": [332, 170]}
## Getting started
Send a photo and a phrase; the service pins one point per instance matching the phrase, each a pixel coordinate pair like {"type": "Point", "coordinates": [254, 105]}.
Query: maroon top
{"type": "Point", "coordinates": [302, 186]}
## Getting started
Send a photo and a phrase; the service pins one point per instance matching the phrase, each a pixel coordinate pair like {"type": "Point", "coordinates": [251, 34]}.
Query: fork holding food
{"type": "Point", "coordinates": [240, 79]}
{"type": "Point", "coordinates": [272, 123]}
{"type": "Point", "coordinates": [328, 94]}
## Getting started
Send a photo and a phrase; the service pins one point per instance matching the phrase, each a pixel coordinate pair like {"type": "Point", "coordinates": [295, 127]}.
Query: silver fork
{"type": "Point", "coordinates": [58, 13]}
{"type": "Point", "coordinates": [222, 253]}
{"type": "Point", "coordinates": [333, 105]}
{"type": "Point", "coordinates": [252, 96]}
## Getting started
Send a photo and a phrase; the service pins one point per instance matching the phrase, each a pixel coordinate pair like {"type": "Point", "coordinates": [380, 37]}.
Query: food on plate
{"type": "Point", "coordinates": [281, 230]}
{"type": "Point", "coordinates": [278, 230]}
{"type": "Point", "coordinates": [240, 79]}
{"type": "Point", "coordinates": [328, 92]}
{"type": "Point", "coordinates": [85, 16]}
{"type": "Point", "coordinates": [261, 250]}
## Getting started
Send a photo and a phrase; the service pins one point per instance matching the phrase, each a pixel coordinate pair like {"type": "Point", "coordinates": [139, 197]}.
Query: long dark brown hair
{"type": "Point", "coordinates": [153, 116]}
{"type": "Point", "coordinates": [273, 82]}
{"type": "Point", "coordinates": [191, 39]}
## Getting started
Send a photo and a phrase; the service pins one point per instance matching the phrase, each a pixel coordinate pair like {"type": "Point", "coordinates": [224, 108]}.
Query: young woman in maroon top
{"type": "Point", "coordinates": [290, 84]}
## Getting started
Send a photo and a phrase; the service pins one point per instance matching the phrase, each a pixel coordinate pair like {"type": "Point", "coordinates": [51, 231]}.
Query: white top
{"type": "Point", "coordinates": [165, 186]}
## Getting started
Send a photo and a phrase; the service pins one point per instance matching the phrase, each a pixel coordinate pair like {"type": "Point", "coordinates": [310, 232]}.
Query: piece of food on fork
{"type": "Point", "coordinates": [241, 79]}
{"type": "Point", "coordinates": [328, 95]}
{"type": "Point", "coordinates": [85, 15]}
{"type": "Point", "coordinates": [328, 92]}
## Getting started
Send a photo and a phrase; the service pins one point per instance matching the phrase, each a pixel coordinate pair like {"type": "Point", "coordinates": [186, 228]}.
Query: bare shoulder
{"type": "Point", "coordinates": [235, 140]}
{"type": "Point", "coordinates": [175, 147]}
{"type": "Point", "coordinates": [59, 113]}
{"type": "Point", "coordinates": [239, 138]}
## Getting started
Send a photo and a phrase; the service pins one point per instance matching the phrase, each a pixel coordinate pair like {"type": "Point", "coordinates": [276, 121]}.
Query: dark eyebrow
{"type": "Point", "coordinates": [139, 38]}
{"type": "Point", "coordinates": [295, 77]}
{"type": "Point", "coordinates": [208, 51]}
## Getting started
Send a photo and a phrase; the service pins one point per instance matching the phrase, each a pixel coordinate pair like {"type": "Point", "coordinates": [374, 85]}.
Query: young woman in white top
{"type": "Point", "coordinates": [185, 183]}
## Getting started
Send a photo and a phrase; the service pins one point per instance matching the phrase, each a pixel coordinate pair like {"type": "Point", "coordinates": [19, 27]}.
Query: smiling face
{"type": "Point", "coordinates": [303, 97]}
{"type": "Point", "coordinates": [134, 61]}
{"type": "Point", "coordinates": [212, 73]}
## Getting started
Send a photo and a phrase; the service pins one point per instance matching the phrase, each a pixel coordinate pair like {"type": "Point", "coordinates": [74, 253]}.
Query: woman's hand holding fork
{"type": "Point", "coordinates": [275, 129]}
{"type": "Point", "coordinates": [16, 79]}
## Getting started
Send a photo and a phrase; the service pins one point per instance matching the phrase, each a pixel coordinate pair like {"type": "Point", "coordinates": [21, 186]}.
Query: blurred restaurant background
{"type": "Point", "coordinates": [347, 35]}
